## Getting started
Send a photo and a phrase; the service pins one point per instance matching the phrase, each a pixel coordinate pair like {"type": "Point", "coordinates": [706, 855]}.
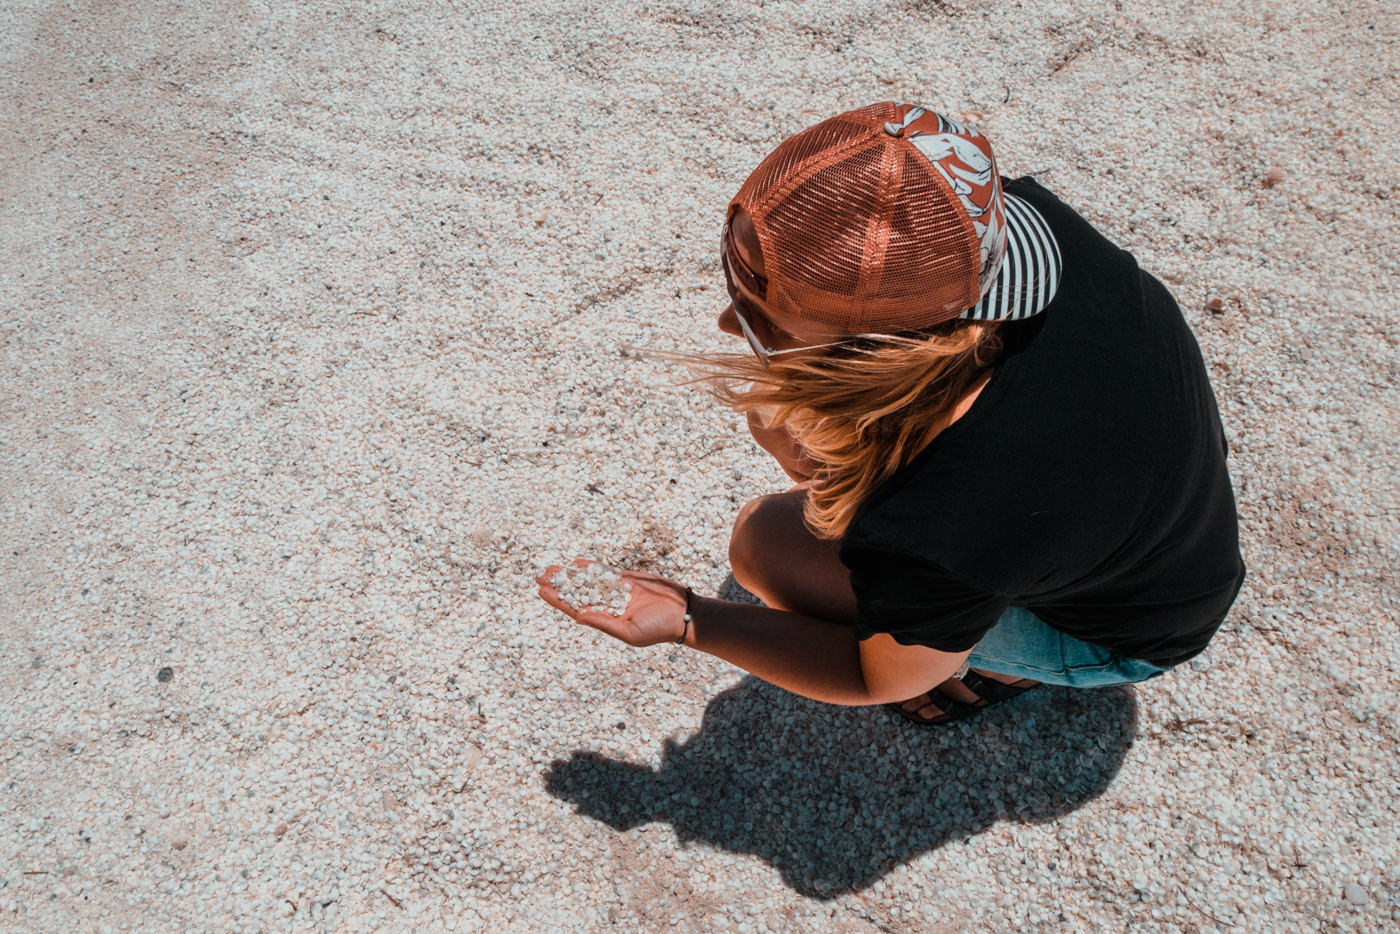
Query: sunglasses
{"type": "Point", "coordinates": [734, 267]}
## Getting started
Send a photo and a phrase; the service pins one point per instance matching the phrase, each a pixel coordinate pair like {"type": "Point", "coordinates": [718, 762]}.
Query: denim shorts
{"type": "Point", "coordinates": [1023, 645]}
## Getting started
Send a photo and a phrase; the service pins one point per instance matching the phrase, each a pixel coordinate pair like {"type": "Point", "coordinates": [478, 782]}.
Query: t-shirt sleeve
{"type": "Point", "coordinates": [917, 602]}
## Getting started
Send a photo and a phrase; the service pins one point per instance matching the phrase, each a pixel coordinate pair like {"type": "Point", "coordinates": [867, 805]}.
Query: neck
{"type": "Point", "coordinates": [959, 409]}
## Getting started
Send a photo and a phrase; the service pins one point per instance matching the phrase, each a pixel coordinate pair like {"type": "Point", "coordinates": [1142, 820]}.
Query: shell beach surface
{"type": "Point", "coordinates": [325, 327]}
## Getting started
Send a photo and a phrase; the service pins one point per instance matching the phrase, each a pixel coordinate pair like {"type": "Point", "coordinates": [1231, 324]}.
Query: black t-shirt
{"type": "Point", "coordinates": [1087, 482]}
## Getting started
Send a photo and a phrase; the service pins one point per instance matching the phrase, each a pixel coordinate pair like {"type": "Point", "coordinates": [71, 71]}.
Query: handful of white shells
{"type": "Point", "coordinates": [593, 587]}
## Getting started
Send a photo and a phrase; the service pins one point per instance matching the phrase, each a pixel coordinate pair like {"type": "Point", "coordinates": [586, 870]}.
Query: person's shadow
{"type": "Point", "coordinates": [833, 797]}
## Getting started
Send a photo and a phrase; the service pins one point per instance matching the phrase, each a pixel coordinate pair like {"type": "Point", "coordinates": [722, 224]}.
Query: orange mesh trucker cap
{"type": "Point", "coordinates": [892, 217]}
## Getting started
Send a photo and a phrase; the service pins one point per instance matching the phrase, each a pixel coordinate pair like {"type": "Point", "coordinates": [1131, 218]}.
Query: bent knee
{"type": "Point", "coordinates": [760, 527]}
{"type": "Point", "coordinates": [744, 540]}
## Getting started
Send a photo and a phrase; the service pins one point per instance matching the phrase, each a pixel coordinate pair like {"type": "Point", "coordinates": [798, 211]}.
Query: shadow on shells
{"type": "Point", "coordinates": [834, 797]}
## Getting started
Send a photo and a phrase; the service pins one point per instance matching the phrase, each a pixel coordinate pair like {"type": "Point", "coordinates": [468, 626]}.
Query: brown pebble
{"type": "Point", "coordinates": [1273, 176]}
{"type": "Point", "coordinates": [1215, 305]}
{"type": "Point", "coordinates": [179, 843]}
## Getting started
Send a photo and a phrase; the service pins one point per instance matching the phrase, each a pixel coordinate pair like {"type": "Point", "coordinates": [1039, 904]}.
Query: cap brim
{"type": "Point", "coordinates": [1030, 270]}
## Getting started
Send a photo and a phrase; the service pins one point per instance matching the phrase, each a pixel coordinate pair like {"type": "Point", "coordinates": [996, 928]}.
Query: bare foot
{"type": "Point", "coordinates": [924, 708]}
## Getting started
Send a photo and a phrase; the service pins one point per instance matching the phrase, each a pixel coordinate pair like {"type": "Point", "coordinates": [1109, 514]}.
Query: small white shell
{"type": "Point", "coordinates": [593, 587]}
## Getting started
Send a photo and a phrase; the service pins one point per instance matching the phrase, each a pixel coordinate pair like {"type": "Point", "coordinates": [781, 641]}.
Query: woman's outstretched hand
{"type": "Point", "coordinates": [655, 613]}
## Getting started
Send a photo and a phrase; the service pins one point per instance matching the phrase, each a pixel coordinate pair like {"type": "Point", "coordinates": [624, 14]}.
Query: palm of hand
{"type": "Point", "coordinates": [655, 613]}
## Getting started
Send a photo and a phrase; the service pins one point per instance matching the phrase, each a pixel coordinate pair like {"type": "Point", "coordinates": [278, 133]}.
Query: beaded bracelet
{"type": "Point", "coordinates": [686, 631]}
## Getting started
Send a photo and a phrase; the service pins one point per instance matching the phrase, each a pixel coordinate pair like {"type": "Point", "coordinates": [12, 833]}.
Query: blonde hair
{"type": "Point", "coordinates": [861, 411]}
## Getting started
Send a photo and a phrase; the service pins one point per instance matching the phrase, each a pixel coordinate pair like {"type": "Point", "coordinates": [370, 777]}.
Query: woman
{"type": "Point", "coordinates": [1010, 468]}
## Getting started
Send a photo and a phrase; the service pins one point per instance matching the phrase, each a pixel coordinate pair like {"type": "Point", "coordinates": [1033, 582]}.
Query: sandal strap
{"type": "Point", "coordinates": [990, 691]}
{"type": "Point", "coordinates": [952, 709]}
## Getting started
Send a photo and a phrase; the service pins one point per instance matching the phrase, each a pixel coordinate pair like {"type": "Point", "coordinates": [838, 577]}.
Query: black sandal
{"type": "Point", "coordinates": [988, 690]}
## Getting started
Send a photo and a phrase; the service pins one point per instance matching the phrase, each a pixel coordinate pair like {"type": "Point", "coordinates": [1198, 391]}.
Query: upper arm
{"type": "Point", "coordinates": [894, 672]}
{"type": "Point", "coordinates": [908, 606]}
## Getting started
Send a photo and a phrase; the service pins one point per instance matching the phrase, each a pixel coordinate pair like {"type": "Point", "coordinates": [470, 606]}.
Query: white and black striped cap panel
{"type": "Point", "coordinates": [1030, 270]}
{"type": "Point", "coordinates": [1046, 253]}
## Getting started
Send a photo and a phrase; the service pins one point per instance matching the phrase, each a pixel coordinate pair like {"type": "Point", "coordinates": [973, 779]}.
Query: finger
{"type": "Point", "coordinates": [579, 614]}
{"type": "Point", "coordinates": [595, 619]}
{"type": "Point", "coordinates": [639, 575]}
{"type": "Point", "coordinates": [643, 582]}
{"type": "Point", "coordinates": [551, 596]}
{"type": "Point", "coordinates": [603, 622]}
{"type": "Point", "coordinates": [546, 582]}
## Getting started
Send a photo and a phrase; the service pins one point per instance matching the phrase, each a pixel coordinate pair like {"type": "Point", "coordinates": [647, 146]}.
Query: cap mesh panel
{"type": "Point", "coordinates": [818, 231]}
{"type": "Point", "coordinates": [816, 214]}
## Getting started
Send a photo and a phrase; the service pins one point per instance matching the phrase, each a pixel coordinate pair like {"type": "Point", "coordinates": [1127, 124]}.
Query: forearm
{"type": "Point", "coordinates": [808, 656]}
